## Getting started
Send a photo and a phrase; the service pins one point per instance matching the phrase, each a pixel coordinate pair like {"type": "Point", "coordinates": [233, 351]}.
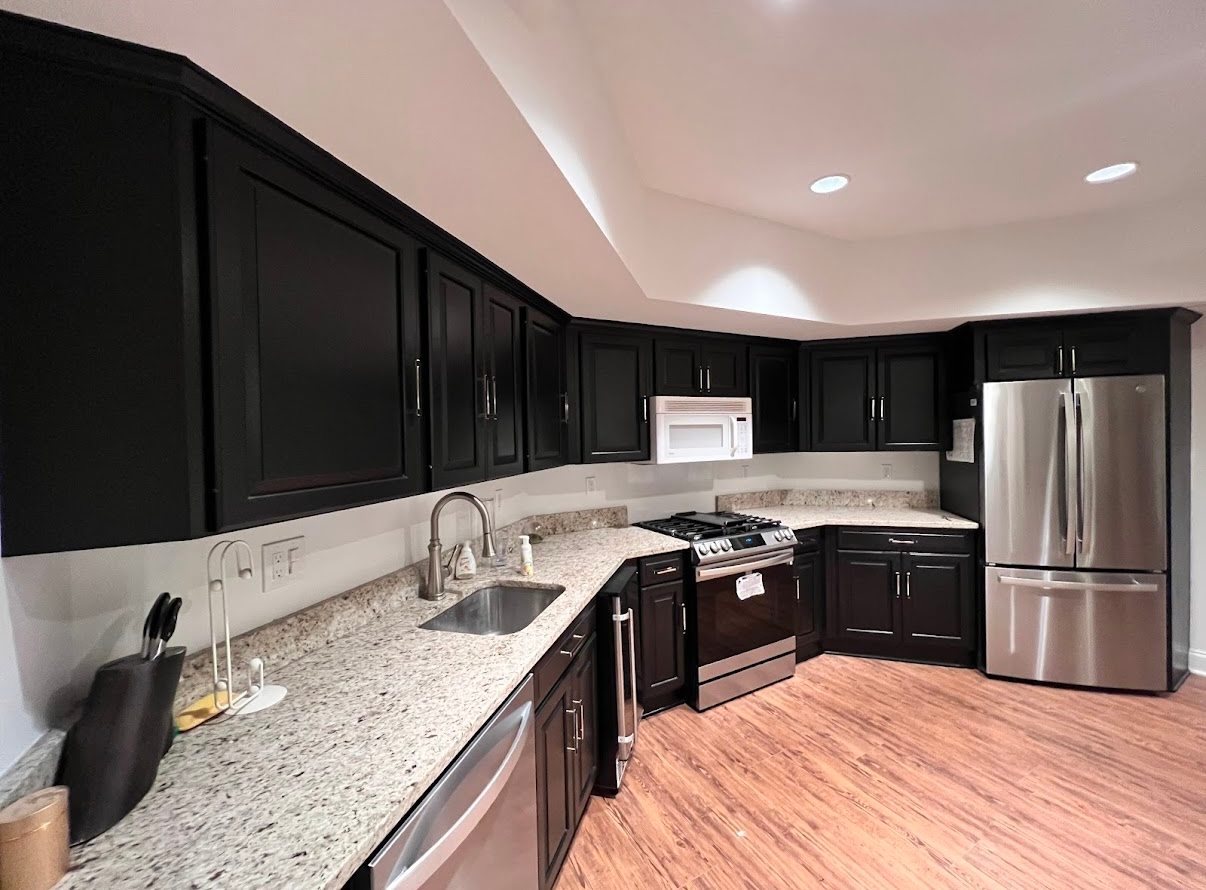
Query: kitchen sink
{"type": "Point", "coordinates": [495, 611]}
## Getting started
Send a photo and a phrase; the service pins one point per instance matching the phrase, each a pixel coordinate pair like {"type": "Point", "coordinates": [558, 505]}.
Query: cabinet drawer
{"type": "Point", "coordinates": [904, 539]}
{"type": "Point", "coordinates": [555, 662]}
{"type": "Point", "coordinates": [808, 539]}
{"type": "Point", "coordinates": [661, 569]}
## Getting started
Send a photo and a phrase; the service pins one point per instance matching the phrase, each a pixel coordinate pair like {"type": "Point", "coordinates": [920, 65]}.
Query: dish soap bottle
{"type": "Point", "coordinates": [466, 564]}
{"type": "Point", "coordinates": [525, 555]}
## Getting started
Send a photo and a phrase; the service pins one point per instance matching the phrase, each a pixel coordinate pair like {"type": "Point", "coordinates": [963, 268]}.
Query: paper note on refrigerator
{"type": "Point", "coordinates": [750, 585]}
{"type": "Point", "coordinates": [964, 441]}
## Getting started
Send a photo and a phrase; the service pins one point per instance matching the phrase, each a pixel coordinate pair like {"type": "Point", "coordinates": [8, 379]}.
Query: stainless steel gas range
{"type": "Point", "coordinates": [745, 601]}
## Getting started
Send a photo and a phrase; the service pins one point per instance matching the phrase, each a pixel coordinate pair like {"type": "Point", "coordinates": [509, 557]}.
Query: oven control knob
{"type": "Point", "coordinates": [714, 547]}
{"type": "Point", "coordinates": [726, 545]}
{"type": "Point", "coordinates": [702, 548]}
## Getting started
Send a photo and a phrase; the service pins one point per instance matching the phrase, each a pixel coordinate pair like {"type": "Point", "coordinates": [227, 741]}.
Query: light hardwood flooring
{"type": "Point", "coordinates": [876, 774]}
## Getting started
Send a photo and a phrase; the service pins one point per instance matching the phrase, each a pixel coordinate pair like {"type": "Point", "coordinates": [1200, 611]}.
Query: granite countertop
{"type": "Point", "coordinates": [300, 795]}
{"type": "Point", "coordinates": [800, 517]}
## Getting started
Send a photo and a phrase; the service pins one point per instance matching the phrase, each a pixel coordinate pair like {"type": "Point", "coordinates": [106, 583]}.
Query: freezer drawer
{"type": "Point", "coordinates": [1083, 628]}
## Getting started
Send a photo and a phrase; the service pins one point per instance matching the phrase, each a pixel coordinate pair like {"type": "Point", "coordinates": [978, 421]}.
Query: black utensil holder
{"type": "Point", "coordinates": [112, 753]}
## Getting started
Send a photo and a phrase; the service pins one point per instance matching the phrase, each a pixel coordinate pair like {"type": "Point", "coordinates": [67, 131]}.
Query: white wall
{"type": "Point", "coordinates": [70, 612]}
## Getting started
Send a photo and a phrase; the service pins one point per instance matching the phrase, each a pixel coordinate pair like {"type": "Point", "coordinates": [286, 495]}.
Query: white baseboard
{"type": "Point", "coordinates": [1197, 662]}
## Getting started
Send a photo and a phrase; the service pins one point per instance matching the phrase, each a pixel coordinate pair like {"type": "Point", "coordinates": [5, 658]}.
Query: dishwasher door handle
{"type": "Point", "coordinates": [421, 870]}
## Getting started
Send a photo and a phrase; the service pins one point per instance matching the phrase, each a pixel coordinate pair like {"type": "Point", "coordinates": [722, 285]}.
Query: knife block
{"type": "Point", "coordinates": [112, 753]}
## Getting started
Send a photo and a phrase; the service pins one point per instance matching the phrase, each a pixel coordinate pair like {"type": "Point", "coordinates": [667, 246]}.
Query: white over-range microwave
{"type": "Point", "coordinates": [699, 428]}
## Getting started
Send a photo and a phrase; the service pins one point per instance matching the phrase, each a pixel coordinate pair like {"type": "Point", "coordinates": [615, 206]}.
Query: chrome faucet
{"type": "Point", "coordinates": [435, 550]}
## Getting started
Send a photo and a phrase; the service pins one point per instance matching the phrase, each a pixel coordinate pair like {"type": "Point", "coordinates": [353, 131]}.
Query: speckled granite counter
{"type": "Point", "coordinates": [875, 517]}
{"type": "Point", "coordinates": [297, 797]}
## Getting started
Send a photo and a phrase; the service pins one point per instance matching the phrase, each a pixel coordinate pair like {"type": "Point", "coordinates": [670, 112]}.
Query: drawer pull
{"type": "Point", "coordinates": [668, 570]}
{"type": "Point", "coordinates": [900, 541]}
{"type": "Point", "coordinates": [573, 650]}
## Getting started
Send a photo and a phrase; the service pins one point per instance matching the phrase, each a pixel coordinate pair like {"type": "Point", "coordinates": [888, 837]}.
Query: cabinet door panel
{"type": "Point", "coordinates": [585, 681]}
{"type": "Point", "coordinates": [554, 780]}
{"type": "Point", "coordinates": [842, 389]}
{"type": "Point", "coordinates": [615, 388]}
{"type": "Point", "coordinates": [810, 575]}
{"type": "Point", "coordinates": [677, 368]}
{"type": "Point", "coordinates": [1026, 353]}
{"type": "Point", "coordinates": [1124, 346]}
{"type": "Point", "coordinates": [724, 367]}
{"type": "Point", "coordinates": [663, 656]}
{"type": "Point", "coordinates": [937, 603]}
{"type": "Point", "coordinates": [548, 393]}
{"type": "Point", "coordinates": [456, 374]}
{"type": "Point", "coordinates": [773, 390]}
{"type": "Point", "coordinates": [315, 335]}
{"type": "Point", "coordinates": [867, 594]}
{"type": "Point", "coordinates": [504, 427]}
{"type": "Point", "coordinates": [910, 394]}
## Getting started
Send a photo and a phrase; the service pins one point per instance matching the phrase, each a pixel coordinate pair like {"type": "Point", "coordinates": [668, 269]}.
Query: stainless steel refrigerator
{"type": "Point", "coordinates": [1075, 537]}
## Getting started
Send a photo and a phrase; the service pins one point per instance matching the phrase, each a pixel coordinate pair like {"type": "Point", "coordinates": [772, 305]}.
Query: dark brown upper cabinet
{"type": "Point", "coordinates": [773, 382]}
{"type": "Point", "coordinates": [886, 396]}
{"type": "Point", "coordinates": [616, 372]}
{"type": "Point", "coordinates": [548, 402]}
{"type": "Point", "coordinates": [504, 367]}
{"type": "Point", "coordinates": [316, 336]}
{"type": "Point", "coordinates": [700, 367]}
{"type": "Point", "coordinates": [457, 381]}
{"type": "Point", "coordinates": [843, 399]}
{"type": "Point", "coordinates": [1102, 345]}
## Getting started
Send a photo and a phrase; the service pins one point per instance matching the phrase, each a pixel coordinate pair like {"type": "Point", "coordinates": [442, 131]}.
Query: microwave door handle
{"type": "Point", "coordinates": [733, 434]}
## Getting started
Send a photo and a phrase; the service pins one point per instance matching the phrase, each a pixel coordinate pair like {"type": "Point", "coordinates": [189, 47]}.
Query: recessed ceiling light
{"type": "Point", "coordinates": [1112, 172]}
{"type": "Point", "coordinates": [827, 184]}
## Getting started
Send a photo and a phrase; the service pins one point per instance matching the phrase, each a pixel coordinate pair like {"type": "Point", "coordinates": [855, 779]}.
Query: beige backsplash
{"type": "Point", "coordinates": [826, 497]}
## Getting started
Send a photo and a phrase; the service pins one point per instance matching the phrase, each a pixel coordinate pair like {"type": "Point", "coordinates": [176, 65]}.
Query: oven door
{"type": "Point", "coordinates": [732, 627]}
{"type": "Point", "coordinates": [685, 438]}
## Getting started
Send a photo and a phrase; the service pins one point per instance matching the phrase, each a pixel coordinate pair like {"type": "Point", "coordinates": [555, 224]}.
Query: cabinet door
{"type": "Point", "coordinates": [456, 374]}
{"type": "Point", "coordinates": [773, 390]}
{"type": "Point", "coordinates": [1024, 353]}
{"type": "Point", "coordinates": [842, 390]}
{"type": "Point", "coordinates": [868, 587]}
{"type": "Point", "coordinates": [556, 744]}
{"type": "Point", "coordinates": [810, 590]}
{"type": "Point", "coordinates": [938, 599]}
{"type": "Point", "coordinates": [1127, 345]}
{"type": "Point", "coordinates": [315, 339]}
{"type": "Point", "coordinates": [724, 367]}
{"type": "Point", "coordinates": [504, 345]}
{"type": "Point", "coordinates": [677, 368]}
{"type": "Point", "coordinates": [663, 631]}
{"type": "Point", "coordinates": [585, 676]}
{"type": "Point", "coordinates": [548, 405]}
{"type": "Point", "coordinates": [910, 398]}
{"type": "Point", "coordinates": [615, 397]}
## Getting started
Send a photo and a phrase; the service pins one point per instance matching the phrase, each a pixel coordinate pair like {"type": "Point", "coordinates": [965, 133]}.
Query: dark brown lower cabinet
{"type": "Point", "coordinates": [903, 604]}
{"type": "Point", "coordinates": [566, 755]}
{"type": "Point", "coordinates": [662, 672]}
{"type": "Point", "coordinates": [810, 598]}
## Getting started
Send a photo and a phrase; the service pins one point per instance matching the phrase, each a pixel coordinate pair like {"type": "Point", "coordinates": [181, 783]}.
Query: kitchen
{"type": "Point", "coordinates": [116, 494]}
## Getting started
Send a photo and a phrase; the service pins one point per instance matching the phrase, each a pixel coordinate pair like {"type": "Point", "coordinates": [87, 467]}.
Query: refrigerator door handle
{"type": "Point", "coordinates": [1080, 488]}
{"type": "Point", "coordinates": [1071, 472]}
{"type": "Point", "coordinates": [1041, 584]}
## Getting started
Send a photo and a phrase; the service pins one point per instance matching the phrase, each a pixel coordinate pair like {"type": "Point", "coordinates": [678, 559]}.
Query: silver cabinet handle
{"type": "Point", "coordinates": [701, 378]}
{"type": "Point", "coordinates": [573, 649]}
{"type": "Point", "coordinates": [797, 590]}
{"type": "Point", "coordinates": [684, 618]}
{"type": "Point", "coordinates": [881, 407]}
{"type": "Point", "coordinates": [486, 396]}
{"type": "Point", "coordinates": [872, 409]}
{"type": "Point", "coordinates": [900, 541]}
{"type": "Point", "coordinates": [667, 570]}
{"type": "Point", "coordinates": [418, 387]}
{"type": "Point", "coordinates": [645, 408]}
{"type": "Point", "coordinates": [565, 407]}
{"type": "Point", "coordinates": [494, 396]}
{"type": "Point", "coordinates": [580, 720]}
{"type": "Point", "coordinates": [908, 585]}
{"type": "Point", "coordinates": [1059, 357]}
{"type": "Point", "coordinates": [794, 407]}
{"type": "Point", "coordinates": [574, 734]}
{"type": "Point", "coordinates": [1073, 359]}
{"type": "Point", "coordinates": [898, 585]}
{"type": "Point", "coordinates": [708, 375]}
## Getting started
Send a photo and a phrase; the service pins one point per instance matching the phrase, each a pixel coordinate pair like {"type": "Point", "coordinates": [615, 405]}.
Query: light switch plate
{"type": "Point", "coordinates": [283, 562]}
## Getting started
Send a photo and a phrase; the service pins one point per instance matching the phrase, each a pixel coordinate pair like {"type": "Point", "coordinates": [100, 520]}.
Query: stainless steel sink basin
{"type": "Point", "coordinates": [494, 611]}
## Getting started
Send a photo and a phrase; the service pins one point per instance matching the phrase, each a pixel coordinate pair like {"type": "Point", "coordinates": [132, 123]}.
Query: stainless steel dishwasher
{"type": "Point", "coordinates": [476, 827]}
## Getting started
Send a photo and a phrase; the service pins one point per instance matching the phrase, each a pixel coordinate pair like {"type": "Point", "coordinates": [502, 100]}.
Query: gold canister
{"type": "Point", "coordinates": [34, 852]}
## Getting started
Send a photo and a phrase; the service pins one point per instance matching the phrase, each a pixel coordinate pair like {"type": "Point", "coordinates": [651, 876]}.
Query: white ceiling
{"type": "Point", "coordinates": [946, 113]}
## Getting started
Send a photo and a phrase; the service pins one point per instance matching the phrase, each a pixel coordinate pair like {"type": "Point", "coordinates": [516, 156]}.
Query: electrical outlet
{"type": "Point", "coordinates": [887, 470]}
{"type": "Point", "coordinates": [283, 561]}
{"type": "Point", "coordinates": [745, 470]}
{"type": "Point", "coordinates": [591, 485]}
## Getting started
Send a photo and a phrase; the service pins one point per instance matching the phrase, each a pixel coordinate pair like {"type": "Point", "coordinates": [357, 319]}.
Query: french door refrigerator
{"type": "Point", "coordinates": [1075, 531]}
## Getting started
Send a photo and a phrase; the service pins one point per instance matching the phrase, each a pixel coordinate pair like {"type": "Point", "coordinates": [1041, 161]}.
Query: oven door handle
{"type": "Point", "coordinates": [779, 559]}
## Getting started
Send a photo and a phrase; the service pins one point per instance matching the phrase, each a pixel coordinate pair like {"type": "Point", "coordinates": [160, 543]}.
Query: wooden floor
{"type": "Point", "coordinates": [876, 774]}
